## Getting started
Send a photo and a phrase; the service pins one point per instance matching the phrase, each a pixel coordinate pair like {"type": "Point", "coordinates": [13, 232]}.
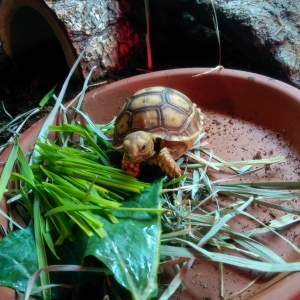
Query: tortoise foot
{"type": "Point", "coordinates": [168, 164]}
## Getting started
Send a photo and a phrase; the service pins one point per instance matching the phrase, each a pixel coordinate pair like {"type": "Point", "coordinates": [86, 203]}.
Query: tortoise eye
{"type": "Point", "coordinates": [143, 147]}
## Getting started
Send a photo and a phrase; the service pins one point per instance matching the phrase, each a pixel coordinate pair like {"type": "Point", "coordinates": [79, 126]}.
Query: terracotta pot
{"type": "Point", "coordinates": [249, 116]}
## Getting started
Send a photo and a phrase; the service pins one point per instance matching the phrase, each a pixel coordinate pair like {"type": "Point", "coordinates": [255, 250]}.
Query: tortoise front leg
{"type": "Point", "coordinates": [167, 163]}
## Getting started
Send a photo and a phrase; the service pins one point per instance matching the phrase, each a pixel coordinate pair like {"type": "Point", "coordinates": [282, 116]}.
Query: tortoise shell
{"type": "Point", "coordinates": [161, 111]}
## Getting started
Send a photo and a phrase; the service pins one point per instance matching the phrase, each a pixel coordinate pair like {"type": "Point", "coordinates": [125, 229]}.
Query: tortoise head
{"type": "Point", "coordinates": [139, 146]}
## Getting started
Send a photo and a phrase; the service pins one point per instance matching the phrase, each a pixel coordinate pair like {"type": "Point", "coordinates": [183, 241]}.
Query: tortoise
{"type": "Point", "coordinates": [156, 125]}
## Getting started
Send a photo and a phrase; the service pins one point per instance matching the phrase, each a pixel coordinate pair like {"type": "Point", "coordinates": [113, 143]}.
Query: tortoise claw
{"type": "Point", "coordinates": [167, 163]}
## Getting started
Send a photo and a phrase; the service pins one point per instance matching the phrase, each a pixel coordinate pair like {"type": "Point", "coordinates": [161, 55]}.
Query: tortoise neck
{"type": "Point", "coordinates": [158, 144]}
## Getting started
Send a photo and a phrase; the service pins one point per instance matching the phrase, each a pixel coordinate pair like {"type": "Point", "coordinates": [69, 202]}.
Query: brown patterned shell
{"type": "Point", "coordinates": [162, 111]}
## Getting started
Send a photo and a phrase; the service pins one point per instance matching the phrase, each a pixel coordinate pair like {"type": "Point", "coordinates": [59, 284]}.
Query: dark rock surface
{"type": "Point", "coordinates": [268, 32]}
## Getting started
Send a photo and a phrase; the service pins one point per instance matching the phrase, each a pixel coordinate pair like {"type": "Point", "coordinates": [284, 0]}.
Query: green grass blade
{"type": "Point", "coordinates": [48, 96]}
{"type": "Point", "coordinates": [111, 216]}
{"type": "Point", "coordinates": [100, 232]}
{"type": "Point", "coordinates": [93, 126]}
{"type": "Point", "coordinates": [5, 175]}
{"type": "Point", "coordinates": [174, 181]}
{"type": "Point", "coordinates": [40, 246]}
{"type": "Point", "coordinates": [47, 237]}
{"type": "Point", "coordinates": [84, 87]}
{"type": "Point", "coordinates": [80, 222]}
{"type": "Point", "coordinates": [25, 168]}
{"type": "Point", "coordinates": [7, 113]}
{"type": "Point", "coordinates": [61, 223]}
{"type": "Point", "coordinates": [104, 159]}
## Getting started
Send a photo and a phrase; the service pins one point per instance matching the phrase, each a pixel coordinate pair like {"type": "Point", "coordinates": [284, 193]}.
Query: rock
{"type": "Point", "coordinates": [266, 31]}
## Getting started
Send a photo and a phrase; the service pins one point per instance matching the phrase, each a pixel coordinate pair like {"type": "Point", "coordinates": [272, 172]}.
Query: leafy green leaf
{"type": "Point", "coordinates": [18, 259]}
{"type": "Point", "coordinates": [131, 249]}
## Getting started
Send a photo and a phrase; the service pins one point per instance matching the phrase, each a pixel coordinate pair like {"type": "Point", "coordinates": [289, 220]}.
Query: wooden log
{"type": "Point", "coordinates": [25, 24]}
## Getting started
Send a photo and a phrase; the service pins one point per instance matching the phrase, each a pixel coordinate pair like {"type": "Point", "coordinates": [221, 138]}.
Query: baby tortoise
{"type": "Point", "coordinates": [156, 126]}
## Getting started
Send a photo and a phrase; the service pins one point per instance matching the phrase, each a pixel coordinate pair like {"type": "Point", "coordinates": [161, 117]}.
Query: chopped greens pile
{"type": "Point", "coordinates": [86, 209]}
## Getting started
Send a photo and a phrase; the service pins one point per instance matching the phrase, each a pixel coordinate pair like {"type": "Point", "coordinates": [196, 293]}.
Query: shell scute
{"type": "Point", "coordinates": [146, 119]}
{"type": "Point", "coordinates": [173, 118]}
{"type": "Point", "coordinates": [147, 101]}
{"type": "Point", "coordinates": [180, 101]}
{"type": "Point", "coordinates": [122, 126]}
